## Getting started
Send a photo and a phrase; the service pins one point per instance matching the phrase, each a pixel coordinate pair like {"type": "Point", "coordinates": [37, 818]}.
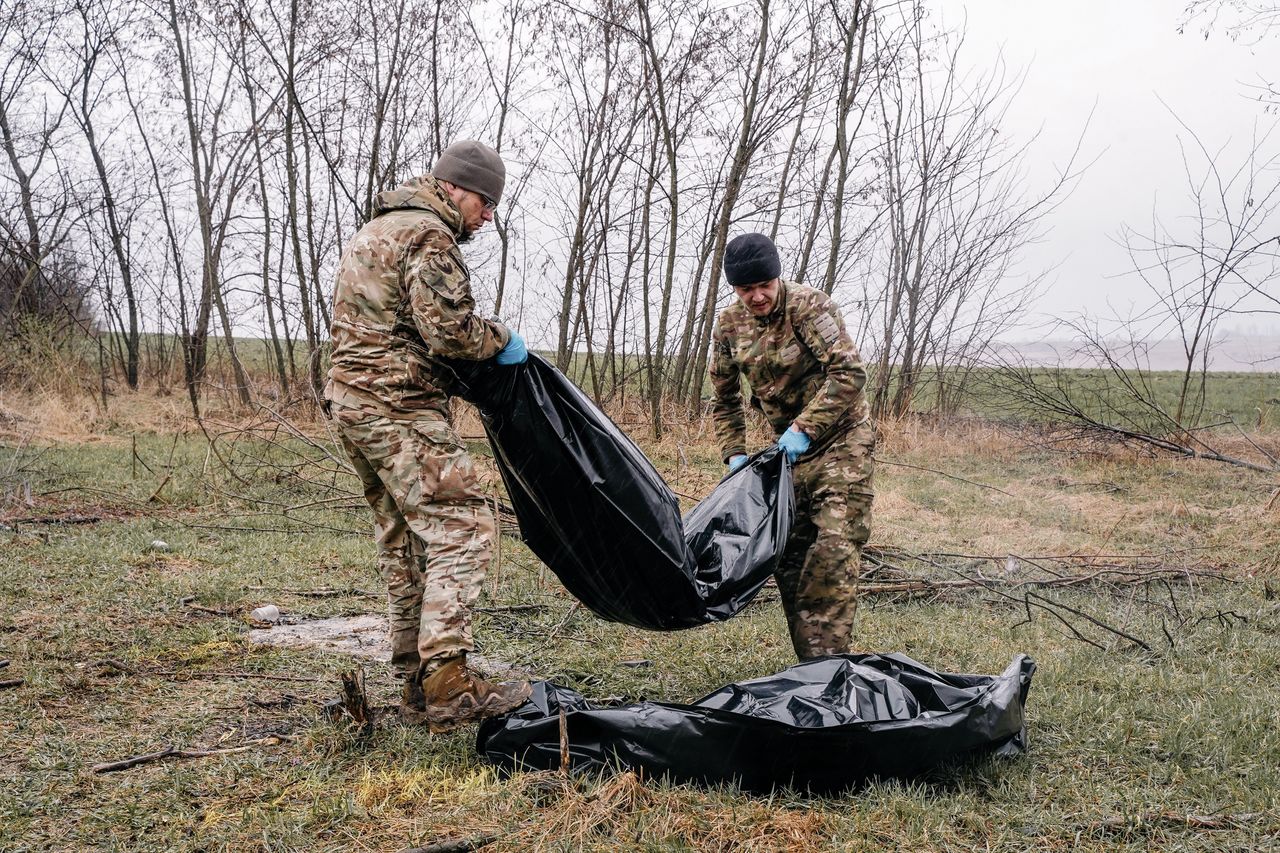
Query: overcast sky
{"type": "Point", "coordinates": [1118, 59]}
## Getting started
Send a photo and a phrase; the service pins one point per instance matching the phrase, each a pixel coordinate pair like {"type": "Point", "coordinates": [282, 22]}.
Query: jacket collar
{"type": "Point", "coordinates": [424, 193]}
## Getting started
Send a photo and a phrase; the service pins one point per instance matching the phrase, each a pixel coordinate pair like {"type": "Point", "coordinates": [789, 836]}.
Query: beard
{"type": "Point", "coordinates": [467, 233]}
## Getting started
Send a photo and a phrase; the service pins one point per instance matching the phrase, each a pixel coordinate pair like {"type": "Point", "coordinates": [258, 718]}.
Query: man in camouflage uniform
{"type": "Point", "coordinates": [806, 376]}
{"type": "Point", "coordinates": [403, 296]}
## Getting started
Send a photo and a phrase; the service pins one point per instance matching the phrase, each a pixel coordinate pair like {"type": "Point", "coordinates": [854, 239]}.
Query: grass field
{"type": "Point", "coordinates": [125, 648]}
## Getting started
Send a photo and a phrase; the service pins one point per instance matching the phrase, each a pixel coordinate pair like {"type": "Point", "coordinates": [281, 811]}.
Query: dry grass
{"type": "Point", "coordinates": [1125, 746]}
{"type": "Point", "coordinates": [48, 417]}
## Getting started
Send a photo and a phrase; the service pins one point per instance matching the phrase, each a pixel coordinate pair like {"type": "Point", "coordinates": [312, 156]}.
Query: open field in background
{"type": "Point", "coordinates": [125, 649]}
{"type": "Point", "coordinates": [1250, 399]}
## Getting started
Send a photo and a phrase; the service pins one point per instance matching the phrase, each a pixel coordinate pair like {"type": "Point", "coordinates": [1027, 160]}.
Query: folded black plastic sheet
{"type": "Point", "coordinates": [823, 726]}
{"type": "Point", "coordinates": [595, 510]}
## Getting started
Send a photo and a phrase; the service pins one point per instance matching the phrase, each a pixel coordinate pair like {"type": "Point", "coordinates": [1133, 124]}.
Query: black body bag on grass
{"type": "Point", "coordinates": [823, 726]}
{"type": "Point", "coordinates": [595, 510]}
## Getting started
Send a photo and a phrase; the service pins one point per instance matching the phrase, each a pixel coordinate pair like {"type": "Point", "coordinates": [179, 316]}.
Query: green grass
{"type": "Point", "coordinates": [1125, 744]}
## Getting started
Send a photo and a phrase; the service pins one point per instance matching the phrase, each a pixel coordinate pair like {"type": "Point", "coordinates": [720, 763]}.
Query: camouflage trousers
{"type": "Point", "coordinates": [435, 532]}
{"type": "Point", "coordinates": [818, 574]}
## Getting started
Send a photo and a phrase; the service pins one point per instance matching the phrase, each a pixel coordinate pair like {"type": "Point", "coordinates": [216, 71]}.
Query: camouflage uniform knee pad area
{"type": "Point", "coordinates": [434, 530]}
{"type": "Point", "coordinates": [818, 575]}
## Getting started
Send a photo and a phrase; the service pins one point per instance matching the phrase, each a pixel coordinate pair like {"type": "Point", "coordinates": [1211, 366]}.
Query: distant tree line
{"type": "Point", "coordinates": [191, 168]}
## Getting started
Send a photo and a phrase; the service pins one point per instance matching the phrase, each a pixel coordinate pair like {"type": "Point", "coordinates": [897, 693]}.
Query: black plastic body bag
{"type": "Point", "coordinates": [822, 726]}
{"type": "Point", "coordinates": [595, 510]}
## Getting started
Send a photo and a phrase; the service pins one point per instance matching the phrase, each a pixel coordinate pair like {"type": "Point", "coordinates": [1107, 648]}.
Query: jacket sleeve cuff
{"type": "Point", "coordinates": [808, 429]}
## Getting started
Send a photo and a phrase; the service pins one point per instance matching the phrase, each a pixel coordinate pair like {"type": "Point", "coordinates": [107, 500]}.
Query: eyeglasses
{"type": "Point", "coordinates": [489, 204]}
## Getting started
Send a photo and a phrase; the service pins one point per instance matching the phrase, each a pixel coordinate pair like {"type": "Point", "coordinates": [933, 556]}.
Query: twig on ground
{"type": "Point", "coordinates": [512, 608]}
{"type": "Point", "coordinates": [112, 663]}
{"type": "Point", "coordinates": [1270, 458]}
{"type": "Point", "coordinates": [1030, 599]}
{"type": "Point", "coordinates": [95, 491]}
{"type": "Point", "coordinates": [1193, 821]}
{"type": "Point", "coordinates": [1105, 484]}
{"type": "Point", "coordinates": [564, 742]}
{"type": "Point", "coordinates": [455, 845]}
{"type": "Point", "coordinates": [316, 593]}
{"type": "Point", "coordinates": [565, 621]}
{"type": "Point", "coordinates": [171, 752]}
{"type": "Point", "coordinates": [265, 676]}
{"type": "Point", "coordinates": [308, 528]}
{"type": "Point", "coordinates": [1049, 604]}
{"type": "Point", "coordinates": [1111, 576]}
{"type": "Point", "coordinates": [155, 493]}
{"type": "Point", "coordinates": [185, 675]}
{"type": "Point", "coordinates": [880, 461]}
{"type": "Point", "coordinates": [12, 682]}
{"type": "Point", "coordinates": [55, 519]}
{"type": "Point", "coordinates": [214, 611]}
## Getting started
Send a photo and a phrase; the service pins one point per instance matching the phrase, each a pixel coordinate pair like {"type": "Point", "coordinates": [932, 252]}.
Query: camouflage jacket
{"type": "Point", "coordinates": [404, 295]}
{"type": "Point", "coordinates": [800, 363]}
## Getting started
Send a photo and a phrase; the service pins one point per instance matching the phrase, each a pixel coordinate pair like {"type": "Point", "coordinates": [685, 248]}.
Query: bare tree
{"type": "Point", "coordinates": [1222, 260]}
{"type": "Point", "coordinates": [31, 117]}
{"type": "Point", "coordinates": [956, 213]}
{"type": "Point", "coordinates": [1251, 21]}
{"type": "Point", "coordinates": [99, 28]}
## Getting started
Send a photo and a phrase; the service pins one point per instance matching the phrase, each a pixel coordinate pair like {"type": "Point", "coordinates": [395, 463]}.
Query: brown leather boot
{"type": "Point", "coordinates": [411, 702]}
{"type": "Point", "coordinates": [455, 695]}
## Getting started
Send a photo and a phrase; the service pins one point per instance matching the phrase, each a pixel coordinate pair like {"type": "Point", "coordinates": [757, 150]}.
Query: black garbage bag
{"type": "Point", "coordinates": [595, 510]}
{"type": "Point", "coordinates": [822, 726]}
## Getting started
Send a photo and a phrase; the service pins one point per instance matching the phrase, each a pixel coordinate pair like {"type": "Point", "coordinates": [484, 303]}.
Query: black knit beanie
{"type": "Point", "coordinates": [473, 166]}
{"type": "Point", "coordinates": [751, 259]}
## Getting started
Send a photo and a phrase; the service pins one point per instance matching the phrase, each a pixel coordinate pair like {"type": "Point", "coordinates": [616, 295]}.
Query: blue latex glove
{"type": "Point", "coordinates": [514, 352]}
{"type": "Point", "coordinates": [736, 461]}
{"type": "Point", "coordinates": [794, 442]}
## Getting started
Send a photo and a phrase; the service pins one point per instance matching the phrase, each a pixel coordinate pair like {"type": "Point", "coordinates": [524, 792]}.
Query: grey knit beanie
{"type": "Point", "coordinates": [473, 166]}
{"type": "Point", "coordinates": [751, 259]}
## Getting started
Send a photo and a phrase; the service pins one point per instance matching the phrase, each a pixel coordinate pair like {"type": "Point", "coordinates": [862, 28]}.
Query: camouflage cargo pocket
{"type": "Point", "coordinates": [446, 472]}
{"type": "Point", "coordinates": [862, 443]}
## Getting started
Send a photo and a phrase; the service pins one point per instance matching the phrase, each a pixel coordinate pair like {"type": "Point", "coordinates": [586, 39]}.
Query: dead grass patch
{"type": "Point", "coordinates": [153, 565]}
{"type": "Point", "coordinates": [64, 510]}
{"type": "Point", "coordinates": [53, 418]}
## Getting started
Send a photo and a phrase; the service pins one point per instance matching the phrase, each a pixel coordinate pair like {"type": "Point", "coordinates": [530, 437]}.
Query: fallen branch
{"type": "Point", "coordinates": [1109, 576]}
{"type": "Point", "coordinates": [1032, 599]}
{"type": "Point", "coordinates": [55, 519]}
{"type": "Point", "coordinates": [1049, 605]}
{"type": "Point", "coordinates": [512, 608]}
{"type": "Point", "coordinates": [184, 675]}
{"type": "Point", "coordinates": [171, 752]}
{"type": "Point", "coordinates": [12, 682]}
{"type": "Point", "coordinates": [265, 676]}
